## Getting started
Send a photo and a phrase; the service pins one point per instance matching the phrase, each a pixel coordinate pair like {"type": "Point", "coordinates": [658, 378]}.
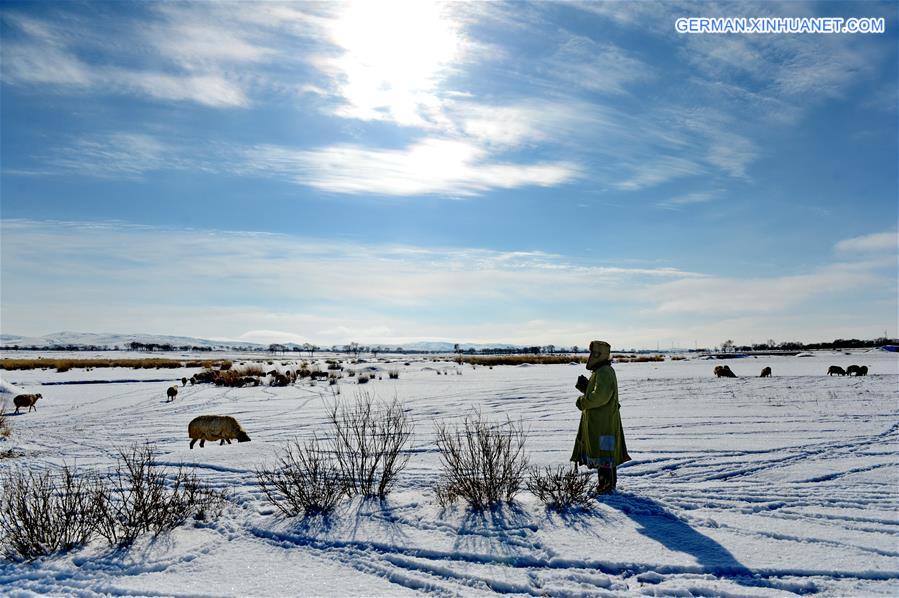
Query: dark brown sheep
{"type": "Point", "coordinates": [26, 401]}
{"type": "Point", "coordinates": [862, 370]}
{"type": "Point", "coordinates": [765, 373]}
{"type": "Point", "coordinates": [835, 369]}
{"type": "Point", "coordinates": [723, 371]}
{"type": "Point", "coordinates": [183, 381]}
{"type": "Point", "coordinates": [279, 380]}
{"type": "Point", "coordinates": [852, 369]}
{"type": "Point", "coordinates": [172, 392]}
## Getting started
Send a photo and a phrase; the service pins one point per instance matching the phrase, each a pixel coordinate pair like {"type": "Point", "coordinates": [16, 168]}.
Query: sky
{"type": "Point", "coordinates": [388, 172]}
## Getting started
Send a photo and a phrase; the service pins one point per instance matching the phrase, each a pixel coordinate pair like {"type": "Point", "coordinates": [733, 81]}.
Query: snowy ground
{"type": "Point", "coordinates": [738, 487]}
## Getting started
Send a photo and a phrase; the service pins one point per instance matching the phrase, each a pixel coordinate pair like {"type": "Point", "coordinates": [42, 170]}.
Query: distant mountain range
{"type": "Point", "coordinates": [103, 338]}
{"type": "Point", "coordinates": [68, 338]}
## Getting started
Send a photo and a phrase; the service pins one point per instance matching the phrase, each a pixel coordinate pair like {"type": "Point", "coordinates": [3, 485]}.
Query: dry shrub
{"type": "Point", "coordinates": [306, 480]}
{"type": "Point", "coordinates": [393, 374]}
{"type": "Point", "coordinates": [520, 359]}
{"type": "Point", "coordinates": [639, 358]}
{"type": "Point", "coordinates": [252, 370]}
{"type": "Point", "coordinates": [369, 444]}
{"type": "Point", "coordinates": [483, 462]}
{"type": "Point", "coordinates": [199, 363]}
{"type": "Point", "coordinates": [138, 498]}
{"type": "Point", "coordinates": [45, 513]}
{"type": "Point", "coordinates": [137, 364]}
{"type": "Point", "coordinates": [226, 365]}
{"type": "Point", "coordinates": [363, 379]}
{"type": "Point", "coordinates": [561, 488]}
{"type": "Point", "coordinates": [5, 430]}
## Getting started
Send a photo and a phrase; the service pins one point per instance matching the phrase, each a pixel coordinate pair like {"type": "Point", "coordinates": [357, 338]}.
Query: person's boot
{"type": "Point", "coordinates": [603, 481]}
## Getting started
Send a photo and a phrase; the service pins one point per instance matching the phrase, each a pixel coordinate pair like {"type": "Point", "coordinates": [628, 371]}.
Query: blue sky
{"type": "Point", "coordinates": [472, 172]}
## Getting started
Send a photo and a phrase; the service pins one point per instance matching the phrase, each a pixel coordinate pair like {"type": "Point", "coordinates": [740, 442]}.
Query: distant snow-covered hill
{"type": "Point", "coordinates": [111, 339]}
{"type": "Point", "coordinates": [66, 338]}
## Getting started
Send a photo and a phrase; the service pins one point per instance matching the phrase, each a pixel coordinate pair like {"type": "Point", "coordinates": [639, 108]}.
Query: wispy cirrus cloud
{"type": "Point", "coordinates": [583, 63]}
{"type": "Point", "coordinates": [46, 53]}
{"type": "Point", "coordinates": [407, 69]}
{"type": "Point", "coordinates": [429, 166]}
{"type": "Point", "coordinates": [681, 201]}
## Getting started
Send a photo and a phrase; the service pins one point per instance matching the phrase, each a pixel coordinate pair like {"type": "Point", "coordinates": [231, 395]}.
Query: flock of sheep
{"type": "Point", "coordinates": [225, 428]}
{"type": "Point", "coordinates": [724, 371]}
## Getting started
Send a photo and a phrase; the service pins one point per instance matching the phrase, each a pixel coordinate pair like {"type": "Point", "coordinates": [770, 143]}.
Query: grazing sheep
{"type": "Point", "coordinates": [223, 428]}
{"type": "Point", "coordinates": [852, 369]}
{"type": "Point", "coordinates": [279, 380]}
{"type": "Point", "coordinates": [183, 381]}
{"type": "Point", "coordinates": [862, 371]}
{"type": "Point", "coordinates": [835, 369]}
{"type": "Point", "coordinates": [26, 401]}
{"type": "Point", "coordinates": [723, 371]}
{"type": "Point", "coordinates": [193, 380]}
{"type": "Point", "coordinates": [765, 373]}
{"type": "Point", "coordinates": [172, 392]}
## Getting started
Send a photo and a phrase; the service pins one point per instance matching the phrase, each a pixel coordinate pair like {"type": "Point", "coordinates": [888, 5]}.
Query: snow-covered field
{"type": "Point", "coordinates": [747, 486]}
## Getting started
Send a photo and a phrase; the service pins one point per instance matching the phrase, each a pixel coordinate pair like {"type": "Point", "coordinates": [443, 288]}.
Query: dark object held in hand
{"type": "Point", "coordinates": [581, 384]}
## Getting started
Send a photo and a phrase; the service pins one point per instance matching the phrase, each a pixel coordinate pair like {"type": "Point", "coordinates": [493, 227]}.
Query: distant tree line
{"type": "Point", "coordinates": [356, 349]}
{"type": "Point", "coordinates": [772, 345]}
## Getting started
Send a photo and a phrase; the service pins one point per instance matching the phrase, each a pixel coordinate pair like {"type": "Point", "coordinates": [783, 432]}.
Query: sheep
{"type": "Point", "coordinates": [765, 372]}
{"type": "Point", "coordinates": [172, 392]}
{"type": "Point", "coordinates": [26, 401]}
{"type": "Point", "coordinates": [852, 369]}
{"type": "Point", "coordinates": [223, 428]}
{"type": "Point", "coordinates": [835, 369]}
{"type": "Point", "coordinates": [862, 370]}
{"type": "Point", "coordinates": [724, 371]}
{"type": "Point", "coordinates": [183, 381]}
{"type": "Point", "coordinates": [279, 380]}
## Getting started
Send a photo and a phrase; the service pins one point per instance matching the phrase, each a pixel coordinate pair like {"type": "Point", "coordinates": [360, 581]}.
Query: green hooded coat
{"type": "Point", "coordinates": [600, 436]}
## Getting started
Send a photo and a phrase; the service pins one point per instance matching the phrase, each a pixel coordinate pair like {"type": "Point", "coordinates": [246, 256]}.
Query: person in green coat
{"type": "Point", "coordinates": [600, 436]}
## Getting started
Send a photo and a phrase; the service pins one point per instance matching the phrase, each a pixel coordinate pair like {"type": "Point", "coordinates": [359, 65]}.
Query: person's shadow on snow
{"type": "Point", "coordinates": [656, 522]}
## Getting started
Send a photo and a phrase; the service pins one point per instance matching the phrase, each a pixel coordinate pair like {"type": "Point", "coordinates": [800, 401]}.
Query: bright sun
{"type": "Point", "coordinates": [395, 56]}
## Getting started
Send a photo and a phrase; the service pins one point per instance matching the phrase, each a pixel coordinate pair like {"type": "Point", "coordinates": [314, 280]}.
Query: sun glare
{"type": "Point", "coordinates": [395, 56]}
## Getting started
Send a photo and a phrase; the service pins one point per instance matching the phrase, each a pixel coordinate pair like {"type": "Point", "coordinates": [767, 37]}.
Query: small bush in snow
{"type": "Point", "coordinates": [139, 497]}
{"type": "Point", "coordinates": [369, 444]}
{"type": "Point", "coordinates": [483, 462]}
{"type": "Point", "coordinates": [393, 374]}
{"type": "Point", "coordinates": [5, 430]}
{"type": "Point", "coordinates": [306, 480]}
{"type": "Point", "coordinates": [561, 488]}
{"type": "Point", "coordinates": [44, 513]}
{"type": "Point", "coordinates": [363, 379]}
